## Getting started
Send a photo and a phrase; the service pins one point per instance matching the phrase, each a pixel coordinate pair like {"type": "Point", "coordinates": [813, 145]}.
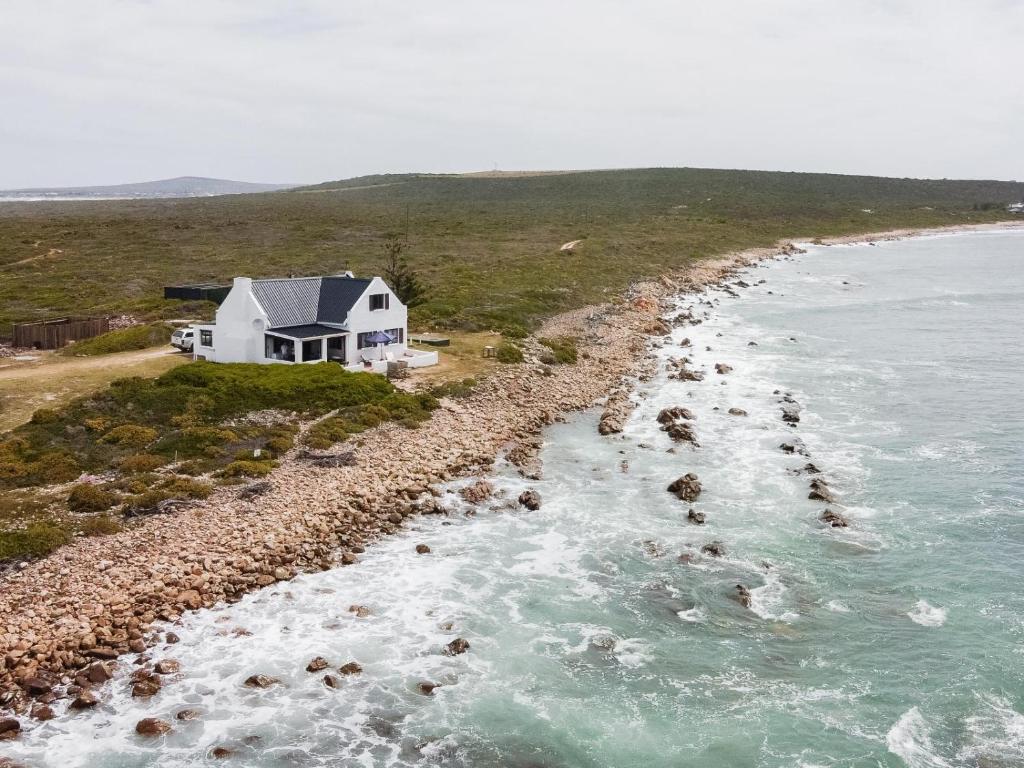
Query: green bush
{"type": "Point", "coordinates": [509, 353]}
{"type": "Point", "coordinates": [454, 389]}
{"type": "Point", "coordinates": [130, 434]}
{"type": "Point", "coordinates": [141, 462]}
{"type": "Point", "coordinates": [86, 497]}
{"type": "Point", "coordinates": [186, 487]}
{"type": "Point", "coordinates": [45, 416]}
{"type": "Point", "coordinates": [563, 351]}
{"type": "Point", "coordinates": [100, 525]}
{"type": "Point", "coordinates": [36, 540]}
{"type": "Point", "coordinates": [122, 340]}
{"type": "Point", "coordinates": [247, 469]}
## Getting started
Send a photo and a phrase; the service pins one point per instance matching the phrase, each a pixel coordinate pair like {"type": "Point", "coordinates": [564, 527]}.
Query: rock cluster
{"type": "Point", "coordinates": [686, 488]}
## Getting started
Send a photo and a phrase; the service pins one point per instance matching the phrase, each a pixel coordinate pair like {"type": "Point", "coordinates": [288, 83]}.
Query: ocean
{"type": "Point", "coordinates": [601, 636]}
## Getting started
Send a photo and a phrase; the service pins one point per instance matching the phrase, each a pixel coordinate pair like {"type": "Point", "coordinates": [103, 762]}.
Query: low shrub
{"type": "Point", "coordinates": [45, 416]}
{"type": "Point", "coordinates": [36, 540]}
{"type": "Point", "coordinates": [141, 462]}
{"type": "Point", "coordinates": [514, 331]}
{"type": "Point", "coordinates": [122, 340]}
{"type": "Point", "coordinates": [100, 525]}
{"type": "Point", "coordinates": [509, 353]}
{"type": "Point", "coordinates": [186, 487]}
{"type": "Point", "coordinates": [563, 351]}
{"type": "Point", "coordinates": [247, 469]}
{"type": "Point", "coordinates": [86, 497]}
{"type": "Point", "coordinates": [130, 434]}
{"type": "Point", "coordinates": [454, 389]}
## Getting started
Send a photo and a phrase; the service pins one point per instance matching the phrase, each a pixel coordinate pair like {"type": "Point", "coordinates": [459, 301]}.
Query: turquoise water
{"type": "Point", "coordinates": [898, 641]}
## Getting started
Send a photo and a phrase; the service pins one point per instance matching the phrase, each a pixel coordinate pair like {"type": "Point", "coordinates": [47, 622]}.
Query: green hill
{"type": "Point", "coordinates": [487, 245]}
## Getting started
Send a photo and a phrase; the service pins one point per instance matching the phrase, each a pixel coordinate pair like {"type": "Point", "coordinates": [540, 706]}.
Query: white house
{"type": "Point", "coordinates": [359, 323]}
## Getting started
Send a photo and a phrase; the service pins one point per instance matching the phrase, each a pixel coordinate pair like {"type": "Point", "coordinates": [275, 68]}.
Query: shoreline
{"type": "Point", "coordinates": [100, 597]}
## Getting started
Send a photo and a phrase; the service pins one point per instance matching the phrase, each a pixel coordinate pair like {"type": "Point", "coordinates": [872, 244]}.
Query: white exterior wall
{"type": "Point", "coordinates": [241, 323]}
{"type": "Point", "coordinates": [362, 319]}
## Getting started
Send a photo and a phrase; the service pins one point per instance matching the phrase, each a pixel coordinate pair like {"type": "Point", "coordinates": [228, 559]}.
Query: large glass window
{"type": "Point", "coordinates": [379, 301]}
{"type": "Point", "coordinates": [313, 350]}
{"type": "Point", "coordinates": [336, 349]}
{"type": "Point", "coordinates": [279, 349]}
{"type": "Point", "coordinates": [205, 338]}
{"type": "Point", "coordinates": [398, 334]}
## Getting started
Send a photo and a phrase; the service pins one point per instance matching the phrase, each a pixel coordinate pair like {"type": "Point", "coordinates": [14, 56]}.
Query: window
{"type": "Point", "coordinates": [379, 301]}
{"type": "Point", "coordinates": [312, 350]}
{"type": "Point", "coordinates": [362, 340]}
{"type": "Point", "coordinates": [336, 349]}
{"type": "Point", "coordinates": [398, 334]}
{"type": "Point", "coordinates": [205, 338]}
{"type": "Point", "coordinates": [279, 349]}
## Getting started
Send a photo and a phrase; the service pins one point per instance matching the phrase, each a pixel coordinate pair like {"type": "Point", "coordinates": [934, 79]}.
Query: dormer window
{"type": "Point", "coordinates": [379, 301]}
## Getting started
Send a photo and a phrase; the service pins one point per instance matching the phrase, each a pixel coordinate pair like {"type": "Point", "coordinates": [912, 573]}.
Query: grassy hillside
{"type": "Point", "coordinates": [487, 246]}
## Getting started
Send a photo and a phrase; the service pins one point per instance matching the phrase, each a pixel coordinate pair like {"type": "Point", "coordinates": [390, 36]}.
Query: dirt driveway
{"type": "Point", "coordinates": [51, 380]}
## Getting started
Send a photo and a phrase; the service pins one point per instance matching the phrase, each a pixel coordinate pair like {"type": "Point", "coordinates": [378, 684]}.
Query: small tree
{"type": "Point", "coordinates": [403, 279]}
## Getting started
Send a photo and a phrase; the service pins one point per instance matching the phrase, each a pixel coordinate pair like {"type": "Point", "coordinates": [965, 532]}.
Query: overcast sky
{"type": "Point", "coordinates": [108, 91]}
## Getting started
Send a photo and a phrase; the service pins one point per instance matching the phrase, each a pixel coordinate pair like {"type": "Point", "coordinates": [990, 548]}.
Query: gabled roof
{"type": "Point", "coordinates": [308, 300]}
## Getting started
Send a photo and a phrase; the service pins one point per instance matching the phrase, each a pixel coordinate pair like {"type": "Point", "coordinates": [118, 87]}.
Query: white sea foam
{"type": "Point", "coordinates": [927, 615]}
{"type": "Point", "coordinates": [996, 733]}
{"type": "Point", "coordinates": [837, 607]}
{"type": "Point", "coordinates": [695, 615]}
{"type": "Point", "coordinates": [910, 739]}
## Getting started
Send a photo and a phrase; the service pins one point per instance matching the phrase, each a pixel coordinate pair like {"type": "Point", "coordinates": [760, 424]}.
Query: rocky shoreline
{"type": "Point", "coordinates": [65, 619]}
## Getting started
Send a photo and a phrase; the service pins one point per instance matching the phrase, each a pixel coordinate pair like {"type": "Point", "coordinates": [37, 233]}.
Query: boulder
{"type": "Point", "coordinates": [834, 519]}
{"type": "Point", "coordinates": [530, 499]}
{"type": "Point", "coordinates": [821, 492]}
{"type": "Point", "coordinates": [791, 414]}
{"type": "Point", "coordinates": [331, 681]}
{"type": "Point", "coordinates": [456, 646]}
{"type": "Point", "coordinates": [152, 726]}
{"type": "Point", "coordinates": [723, 368]}
{"type": "Point", "coordinates": [42, 712]}
{"type": "Point", "coordinates": [348, 558]}
{"type": "Point", "coordinates": [260, 681]}
{"type": "Point", "coordinates": [188, 714]}
{"type": "Point", "coordinates": [97, 672]}
{"type": "Point", "coordinates": [145, 688]}
{"type": "Point", "coordinates": [697, 518]}
{"type": "Point", "coordinates": [714, 548]}
{"type": "Point", "coordinates": [84, 700]}
{"type": "Point", "coordinates": [737, 412]}
{"type": "Point", "coordinates": [219, 753]}
{"type": "Point", "coordinates": [675, 413]}
{"type": "Point", "coordinates": [10, 727]}
{"type": "Point", "coordinates": [743, 595]}
{"type": "Point", "coordinates": [167, 667]}
{"type": "Point", "coordinates": [351, 668]}
{"type": "Point", "coordinates": [681, 432]}
{"type": "Point", "coordinates": [318, 664]}
{"type": "Point", "coordinates": [360, 610]}
{"type": "Point", "coordinates": [171, 638]}
{"type": "Point", "coordinates": [426, 688]}
{"type": "Point", "coordinates": [686, 488]}
{"type": "Point", "coordinates": [35, 686]}
{"type": "Point", "coordinates": [477, 492]}
{"type": "Point", "coordinates": [422, 549]}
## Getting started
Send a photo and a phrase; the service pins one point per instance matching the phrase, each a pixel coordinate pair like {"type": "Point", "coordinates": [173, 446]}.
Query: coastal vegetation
{"type": "Point", "coordinates": [122, 340]}
{"type": "Point", "coordinates": [486, 249]}
{"type": "Point", "coordinates": [144, 441]}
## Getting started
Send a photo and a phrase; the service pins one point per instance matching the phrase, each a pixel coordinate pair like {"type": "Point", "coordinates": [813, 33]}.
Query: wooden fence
{"type": "Point", "coordinates": [52, 334]}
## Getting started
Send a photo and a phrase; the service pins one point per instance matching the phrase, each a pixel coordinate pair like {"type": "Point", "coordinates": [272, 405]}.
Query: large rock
{"type": "Point", "coordinates": [675, 413]}
{"type": "Point", "coordinates": [318, 664]}
{"type": "Point", "coordinates": [681, 432]}
{"type": "Point", "coordinates": [723, 368]}
{"type": "Point", "coordinates": [10, 727]}
{"type": "Point", "coordinates": [152, 726]}
{"type": "Point", "coordinates": [743, 596]}
{"type": "Point", "coordinates": [84, 700]}
{"type": "Point", "coordinates": [42, 712]}
{"type": "Point", "coordinates": [821, 492]}
{"type": "Point", "coordinates": [695, 517]}
{"type": "Point", "coordinates": [530, 499]}
{"type": "Point", "coordinates": [456, 646]}
{"type": "Point", "coordinates": [686, 488]}
{"type": "Point", "coordinates": [350, 668]}
{"type": "Point", "coordinates": [36, 686]}
{"type": "Point", "coordinates": [477, 492]}
{"type": "Point", "coordinates": [260, 681]}
{"type": "Point", "coordinates": [167, 667]}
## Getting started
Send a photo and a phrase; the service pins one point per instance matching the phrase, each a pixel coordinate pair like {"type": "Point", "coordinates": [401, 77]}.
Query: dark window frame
{"type": "Point", "coordinates": [383, 299]}
{"type": "Point", "coordinates": [205, 337]}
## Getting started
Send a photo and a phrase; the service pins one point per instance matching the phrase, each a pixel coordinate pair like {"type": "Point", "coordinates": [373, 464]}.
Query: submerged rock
{"type": "Point", "coordinates": [714, 548]}
{"type": "Point", "coordinates": [331, 681]}
{"type": "Point", "coordinates": [834, 519]}
{"type": "Point", "coordinates": [422, 549]}
{"type": "Point", "coordinates": [675, 413]}
{"type": "Point", "coordinates": [351, 668]}
{"type": "Point", "coordinates": [723, 368]}
{"type": "Point", "coordinates": [84, 700]}
{"type": "Point", "coordinates": [166, 667]}
{"type": "Point", "coordinates": [10, 727]}
{"type": "Point", "coordinates": [697, 518]}
{"type": "Point", "coordinates": [821, 492]}
{"type": "Point", "coordinates": [426, 688]}
{"type": "Point", "coordinates": [686, 488]}
{"type": "Point", "coordinates": [477, 492]}
{"type": "Point", "coordinates": [743, 595]}
{"type": "Point", "coordinates": [188, 714]}
{"type": "Point", "coordinates": [737, 412]}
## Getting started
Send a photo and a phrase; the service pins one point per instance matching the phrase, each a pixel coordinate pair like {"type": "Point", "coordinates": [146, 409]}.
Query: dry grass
{"type": "Point", "coordinates": [464, 359]}
{"type": "Point", "coordinates": [53, 380]}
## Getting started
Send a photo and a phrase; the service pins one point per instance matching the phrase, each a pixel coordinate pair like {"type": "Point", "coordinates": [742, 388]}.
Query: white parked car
{"type": "Point", "coordinates": [183, 339]}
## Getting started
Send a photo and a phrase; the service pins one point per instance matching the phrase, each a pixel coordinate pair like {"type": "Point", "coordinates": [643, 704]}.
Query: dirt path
{"type": "Point", "coordinates": [51, 380]}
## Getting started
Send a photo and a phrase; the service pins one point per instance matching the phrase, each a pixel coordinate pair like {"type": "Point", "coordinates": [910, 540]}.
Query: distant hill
{"type": "Point", "coordinates": [182, 186]}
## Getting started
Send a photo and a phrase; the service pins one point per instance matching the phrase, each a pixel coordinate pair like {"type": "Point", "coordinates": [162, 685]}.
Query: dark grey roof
{"type": "Point", "coordinates": [305, 331]}
{"type": "Point", "coordinates": [308, 300]}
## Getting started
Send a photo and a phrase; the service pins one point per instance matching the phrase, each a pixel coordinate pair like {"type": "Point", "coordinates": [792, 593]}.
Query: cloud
{"type": "Point", "coordinates": [107, 91]}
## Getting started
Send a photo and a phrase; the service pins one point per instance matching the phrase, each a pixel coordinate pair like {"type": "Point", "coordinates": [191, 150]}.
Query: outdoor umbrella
{"type": "Point", "coordinates": [380, 337]}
